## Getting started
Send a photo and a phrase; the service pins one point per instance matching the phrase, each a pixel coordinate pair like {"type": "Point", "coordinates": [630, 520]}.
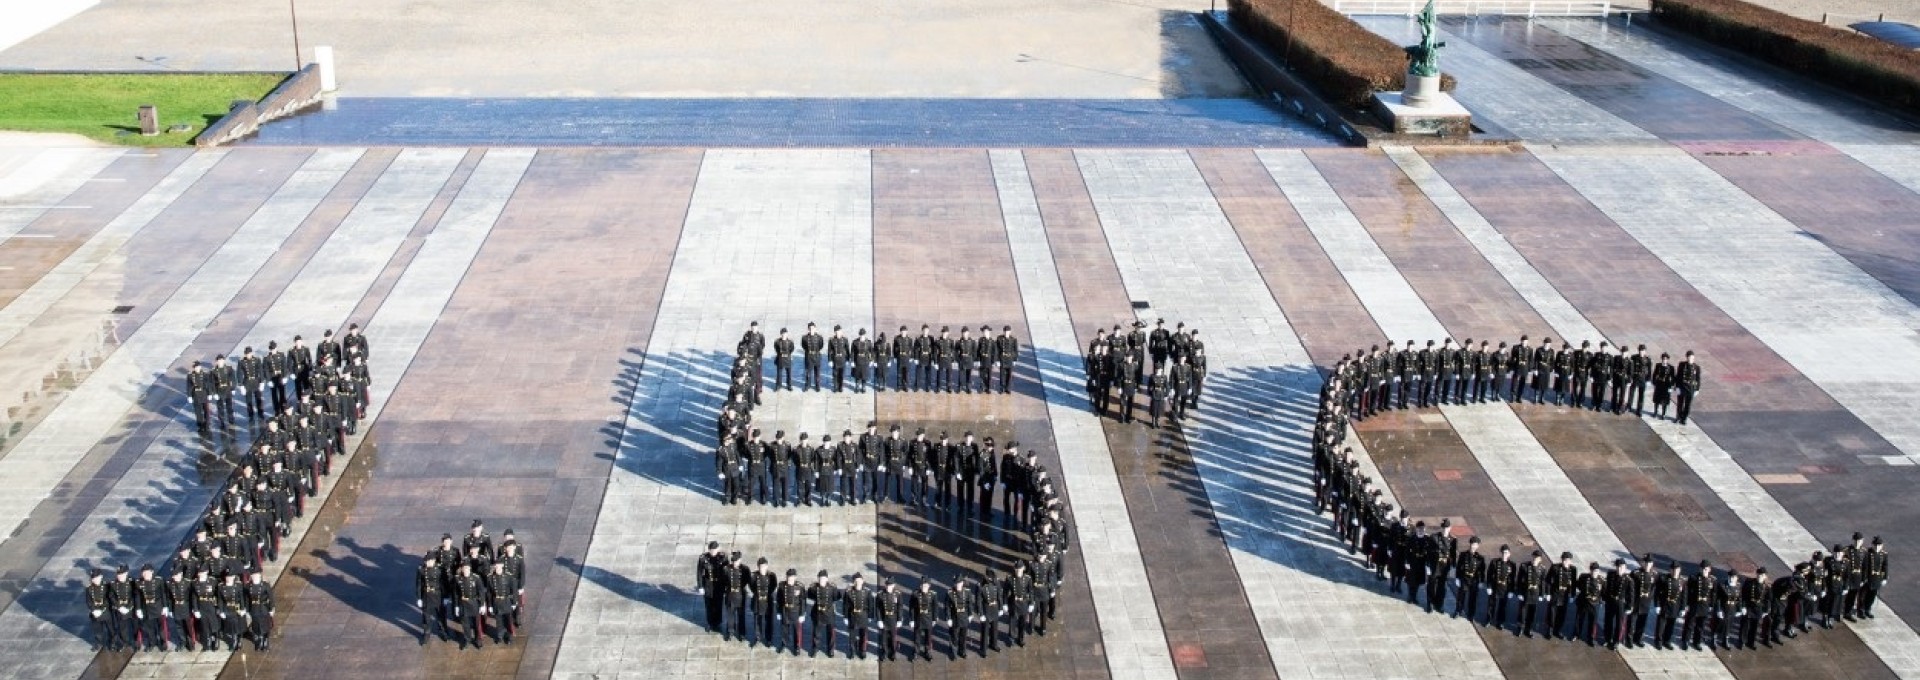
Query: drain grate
{"type": "Point", "coordinates": [122, 309]}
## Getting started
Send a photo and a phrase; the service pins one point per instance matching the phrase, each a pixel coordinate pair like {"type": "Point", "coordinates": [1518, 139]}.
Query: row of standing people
{"type": "Point", "coordinates": [1623, 606]}
{"type": "Point", "coordinates": [280, 377]}
{"type": "Point", "coordinates": [960, 477]}
{"type": "Point", "coordinates": [478, 585]}
{"type": "Point", "coordinates": [924, 362]}
{"type": "Point", "coordinates": [1605, 378]}
{"type": "Point", "coordinates": [754, 604]}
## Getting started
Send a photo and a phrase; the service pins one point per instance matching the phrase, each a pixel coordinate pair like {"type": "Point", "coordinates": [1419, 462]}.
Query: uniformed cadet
{"type": "Point", "coordinates": [1197, 361]}
{"type": "Point", "coordinates": [1815, 593]}
{"type": "Point", "coordinates": [1621, 593]}
{"type": "Point", "coordinates": [179, 611]}
{"type": "Point", "coordinates": [839, 352]}
{"type": "Point", "coordinates": [1645, 582]}
{"type": "Point", "coordinates": [861, 352]}
{"type": "Point", "coordinates": [1530, 583]}
{"type": "Point", "coordinates": [783, 361]}
{"type": "Point", "coordinates": [1562, 370]}
{"type": "Point", "coordinates": [1590, 595]}
{"type": "Point", "coordinates": [733, 617]}
{"type": "Point", "coordinates": [1791, 591]}
{"type": "Point", "coordinates": [710, 581]}
{"type": "Point", "coordinates": [871, 481]}
{"type": "Point", "coordinates": [1157, 343]}
{"type": "Point", "coordinates": [857, 605]}
{"type": "Point", "coordinates": [1137, 346]}
{"type": "Point", "coordinates": [1129, 390]}
{"type": "Point", "coordinates": [790, 598]}
{"type": "Point", "coordinates": [1639, 370]}
{"type": "Point", "coordinates": [765, 587]}
{"type": "Point", "coordinates": [924, 608]}
{"type": "Point", "coordinates": [847, 468]}
{"type": "Point", "coordinates": [252, 374]}
{"type": "Point", "coordinates": [1697, 603]}
{"type": "Point", "coordinates": [233, 609]}
{"type": "Point", "coordinates": [752, 347]}
{"type": "Point", "coordinates": [804, 470]}
{"type": "Point", "coordinates": [1500, 586]}
{"type": "Point", "coordinates": [960, 614]}
{"type": "Point", "coordinates": [945, 362]}
{"type": "Point", "coordinates": [201, 395]}
{"type": "Point", "coordinates": [965, 352]}
{"type": "Point", "coordinates": [1440, 554]}
{"type": "Point", "coordinates": [1874, 564]}
{"type": "Point", "coordinates": [1756, 599]}
{"type": "Point", "coordinates": [939, 473]}
{"type": "Point", "coordinates": [991, 611]}
{"type": "Point", "coordinates": [1157, 391]}
{"type": "Point", "coordinates": [987, 467]}
{"type": "Point", "coordinates": [1671, 600]}
{"type": "Point", "coordinates": [1519, 370]}
{"type": "Point", "coordinates": [1019, 591]}
{"type": "Point", "coordinates": [149, 601]}
{"type": "Point", "coordinates": [903, 356]}
{"type": "Point", "coordinates": [99, 604]}
{"type": "Point", "coordinates": [811, 347]}
{"type": "Point", "coordinates": [968, 465]}
{"type": "Point", "coordinates": [822, 599]}
{"type": "Point", "coordinates": [502, 600]}
{"type": "Point", "coordinates": [1179, 380]}
{"type": "Point", "coordinates": [779, 455]}
{"type": "Point", "coordinates": [892, 610]}
{"type": "Point", "coordinates": [1561, 582]}
{"type": "Point", "coordinates": [300, 363]}
{"type": "Point", "coordinates": [1687, 380]}
{"type": "Point", "coordinates": [1469, 569]}
{"type": "Point", "coordinates": [429, 596]}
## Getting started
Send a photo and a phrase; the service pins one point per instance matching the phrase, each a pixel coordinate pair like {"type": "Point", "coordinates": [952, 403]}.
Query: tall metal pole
{"type": "Point", "coordinates": [293, 14]}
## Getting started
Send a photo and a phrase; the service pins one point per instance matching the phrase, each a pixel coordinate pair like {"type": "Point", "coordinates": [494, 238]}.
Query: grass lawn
{"type": "Point", "coordinates": [102, 106]}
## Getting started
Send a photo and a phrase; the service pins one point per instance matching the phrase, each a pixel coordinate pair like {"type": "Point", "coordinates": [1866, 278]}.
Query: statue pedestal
{"type": "Point", "coordinates": [1437, 114]}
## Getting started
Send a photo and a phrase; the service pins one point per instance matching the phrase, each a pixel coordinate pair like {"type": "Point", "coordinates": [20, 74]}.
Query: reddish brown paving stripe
{"type": "Point", "coordinates": [450, 448]}
{"type": "Point", "coordinates": [941, 257]}
{"type": "Point", "coordinates": [1859, 213]}
{"type": "Point", "coordinates": [1411, 453]}
{"type": "Point", "coordinates": [80, 215]}
{"type": "Point", "coordinates": [1202, 604]}
{"type": "Point", "coordinates": [1647, 495]}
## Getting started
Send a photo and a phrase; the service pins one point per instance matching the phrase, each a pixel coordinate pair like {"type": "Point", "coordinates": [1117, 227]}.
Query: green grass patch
{"type": "Point", "coordinates": [105, 105]}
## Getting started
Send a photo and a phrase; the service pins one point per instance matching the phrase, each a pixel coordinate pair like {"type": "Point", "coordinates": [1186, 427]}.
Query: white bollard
{"type": "Point", "coordinates": [323, 55]}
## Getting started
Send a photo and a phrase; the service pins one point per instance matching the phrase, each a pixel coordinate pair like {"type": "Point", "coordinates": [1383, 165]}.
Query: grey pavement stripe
{"type": "Point", "coordinates": [1793, 293]}
{"type": "Point", "coordinates": [1887, 635]}
{"type": "Point", "coordinates": [1176, 250]}
{"type": "Point", "coordinates": [1835, 120]}
{"type": "Point", "coordinates": [782, 237]}
{"type": "Point", "coordinates": [45, 455]}
{"type": "Point", "coordinates": [1545, 499]}
{"type": "Point", "coordinates": [60, 280]}
{"type": "Point", "coordinates": [1130, 627]}
{"type": "Point", "coordinates": [49, 177]}
{"type": "Point", "coordinates": [1514, 99]}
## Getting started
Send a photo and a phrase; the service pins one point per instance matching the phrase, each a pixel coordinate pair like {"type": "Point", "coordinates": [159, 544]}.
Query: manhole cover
{"type": "Point", "coordinates": [122, 309]}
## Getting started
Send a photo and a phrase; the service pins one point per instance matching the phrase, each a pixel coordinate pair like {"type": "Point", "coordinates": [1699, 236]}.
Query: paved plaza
{"type": "Point", "coordinates": [551, 313]}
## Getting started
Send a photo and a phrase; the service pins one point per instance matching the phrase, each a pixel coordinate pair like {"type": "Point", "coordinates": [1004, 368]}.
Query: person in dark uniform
{"type": "Point", "coordinates": [1622, 366]}
{"type": "Point", "coordinates": [300, 364]}
{"type": "Point", "coordinates": [1157, 343]}
{"type": "Point", "coordinates": [428, 595]}
{"type": "Point", "coordinates": [1426, 366]}
{"type": "Point", "coordinates": [839, 352]}
{"type": "Point", "coordinates": [1530, 584]}
{"type": "Point", "coordinates": [763, 587]}
{"type": "Point", "coordinates": [200, 395]}
{"type": "Point", "coordinates": [1486, 364]}
{"type": "Point", "coordinates": [1590, 595]}
{"type": "Point", "coordinates": [1129, 390]}
{"type": "Point", "coordinates": [1519, 373]}
{"type": "Point", "coordinates": [99, 604]}
{"type": "Point", "coordinates": [1645, 581]}
{"type": "Point", "coordinates": [753, 347]}
{"type": "Point", "coordinates": [1639, 369]}
{"type": "Point", "coordinates": [857, 606]}
{"type": "Point", "coordinates": [1728, 611]}
{"type": "Point", "coordinates": [252, 374]}
{"type": "Point", "coordinates": [1756, 597]}
{"type": "Point", "coordinates": [1406, 369]}
{"type": "Point", "coordinates": [1620, 598]}
{"type": "Point", "coordinates": [1687, 379]}
{"type": "Point", "coordinates": [1561, 581]}
{"type": "Point", "coordinates": [1699, 602]}
{"type": "Point", "coordinates": [710, 582]}
{"type": "Point", "coordinates": [923, 359]}
{"type": "Point", "coordinates": [822, 599]}
{"type": "Point", "coordinates": [501, 601]}
{"type": "Point", "coordinates": [903, 360]}
{"type": "Point", "coordinates": [206, 609]}
{"type": "Point", "coordinates": [811, 347]}
{"type": "Point", "coordinates": [924, 607]}
{"type": "Point", "coordinates": [1440, 555]}
{"type": "Point", "coordinates": [1500, 586]}
{"type": "Point", "coordinates": [233, 609]}
{"type": "Point", "coordinates": [988, 469]}
{"type": "Point", "coordinates": [891, 605]}
{"type": "Point", "coordinates": [1019, 591]}
{"type": "Point", "coordinates": [862, 356]}
{"type": "Point", "coordinates": [1874, 565]}
{"type": "Point", "coordinates": [733, 616]}
{"type": "Point", "coordinates": [1562, 371]}
{"type": "Point", "coordinates": [791, 599]}
{"type": "Point", "coordinates": [279, 376]}
{"type": "Point", "coordinates": [800, 458]}
{"type": "Point", "coordinates": [1663, 378]}
{"type": "Point", "coordinates": [226, 381]}
{"type": "Point", "coordinates": [960, 608]}
{"type": "Point", "coordinates": [178, 611]}
{"type": "Point", "coordinates": [1157, 391]}
{"type": "Point", "coordinates": [991, 611]}
{"type": "Point", "coordinates": [123, 604]}
{"type": "Point", "coordinates": [945, 362]}
{"type": "Point", "coordinates": [1470, 567]}
{"type": "Point", "coordinates": [149, 606]}
{"type": "Point", "coordinates": [1542, 368]}
{"type": "Point", "coordinates": [1197, 361]}
{"type": "Point", "coordinates": [849, 469]}
{"type": "Point", "coordinates": [783, 361]}
{"type": "Point", "coordinates": [965, 352]}
{"type": "Point", "coordinates": [1814, 594]}
{"type": "Point", "coordinates": [1178, 379]}
{"type": "Point", "coordinates": [1599, 376]}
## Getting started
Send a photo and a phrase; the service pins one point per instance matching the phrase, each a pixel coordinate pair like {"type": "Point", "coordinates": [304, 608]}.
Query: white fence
{"type": "Point", "coordinates": [1519, 8]}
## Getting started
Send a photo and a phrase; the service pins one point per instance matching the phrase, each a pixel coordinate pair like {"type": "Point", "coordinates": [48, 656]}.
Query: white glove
{"type": "Point", "coordinates": [701, 591]}
{"type": "Point", "coordinates": [223, 615]}
{"type": "Point", "coordinates": [196, 614]}
{"type": "Point", "coordinates": [166, 611]}
{"type": "Point", "coordinates": [141, 614]}
{"type": "Point", "coordinates": [1029, 609]}
{"type": "Point", "coordinates": [949, 623]}
{"type": "Point", "coordinates": [882, 468]}
{"type": "Point", "coordinates": [97, 613]}
{"type": "Point", "coordinates": [420, 604]}
{"type": "Point", "coordinates": [843, 619]}
{"type": "Point", "coordinates": [123, 611]}
{"type": "Point", "coordinates": [721, 476]}
{"type": "Point", "coordinates": [803, 619]}
{"type": "Point", "coordinates": [242, 391]}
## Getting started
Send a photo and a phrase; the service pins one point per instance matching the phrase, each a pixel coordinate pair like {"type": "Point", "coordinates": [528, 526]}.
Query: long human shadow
{"type": "Point", "coordinates": [666, 434]}
{"type": "Point", "coordinates": [370, 579]}
{"type": "Point", "coordinates": [666, 597]}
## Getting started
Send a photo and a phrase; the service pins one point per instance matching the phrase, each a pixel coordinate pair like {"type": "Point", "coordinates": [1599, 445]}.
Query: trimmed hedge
{"type": "Point", "coordinates": [1870, 67]}
{"type": "Point", "coordinates": [1344, 60]}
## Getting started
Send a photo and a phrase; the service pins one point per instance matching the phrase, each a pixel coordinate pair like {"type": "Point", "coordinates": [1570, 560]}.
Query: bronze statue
{"type": "Point", "coordinates": [1425, 57]}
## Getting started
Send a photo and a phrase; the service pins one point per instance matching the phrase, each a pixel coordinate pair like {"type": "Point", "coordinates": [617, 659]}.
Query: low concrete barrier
{"type": "Point", "coordinates": [297, 93]}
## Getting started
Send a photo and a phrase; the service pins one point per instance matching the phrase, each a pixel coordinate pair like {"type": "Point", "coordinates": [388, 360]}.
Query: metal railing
{"type": "Point", "coordinates": [1522, 8]}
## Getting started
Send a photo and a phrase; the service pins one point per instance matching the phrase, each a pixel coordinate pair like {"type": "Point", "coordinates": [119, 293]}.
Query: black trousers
{"type": "Point", "coordinates": [1682, 405]}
